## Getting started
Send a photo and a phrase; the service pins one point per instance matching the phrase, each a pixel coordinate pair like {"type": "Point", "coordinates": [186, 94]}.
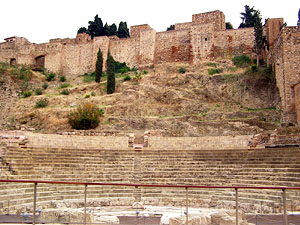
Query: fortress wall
{"type": "Point", "coordinates": [147, 47]}
{"type": "Point", "coordinates": [217, 18]}
{"type": "Point", "coordinates": [199, 143]}
{"type": "Point", "coordinates": [297, 101]}
{"type": "Point", "coordinates": [291, 54]}
{"type": "Point", "coordinates": [202, 40]}
{"type": "Point", "coordinates": [235, 41]}
{"type": "Point", "coordinates": [183, 26]}
{"type": "Point", "coordinates": [172, 46]}
{"type": "Point", "coordinates": [126, 50]}
{"type": "Point", "coordinates": [273, 29]}
{"type": "Point", "coordinates": [135, 31]}
{"type": "Point", "coordinates": [103, 44]}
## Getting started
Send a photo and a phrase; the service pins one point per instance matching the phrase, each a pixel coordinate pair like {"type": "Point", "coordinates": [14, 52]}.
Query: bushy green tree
{"type": "Point", "coordinates": [99, 66]}
{"type": "Point", "coordinates": [82, 30]}
{"type": "Point", "coordinates": [123, 31]}
{"type": "Point", "coordinates": [110, 71]}
{"type": "Point", "coordinates": [113, 30]}
{"type": "Point", "coordinates": [248, 17]}
{"type": "Point", "coordinates": [95, 27]}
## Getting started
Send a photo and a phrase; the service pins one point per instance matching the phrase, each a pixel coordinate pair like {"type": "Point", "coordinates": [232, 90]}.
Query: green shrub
{"type": "Point", "coordinates": [145, 72]}
{"type": "Point", "coordinates": [45, 86]}
{"type": "Point", "coordinates": [38, 91]}
{"type": "Point", "coordinates": [50, 76]}
{"type": "Point", "coordinates": [85, 117]}
{"type": "Point", "coordinates": [254, 68]}
{"type": "Point", "coordinates": [41, 103]}
{"type": "Point", "coordinates": [127, 78]}
{"type": "Point", "coordinates": [27, 94]}
{"type": "Point", "coordinates": [214, 71]}
{"type": "Point", "coordinates": [93, 94]}
{"type": "Point", "coordinates": [241, 61]}
{"type": "Point", "coordinates": [65, 92]}
{"type": "Point", "coordinates": [211, 64]}
{"type": "Point", "coordinates": [65, 85]}
{"type": "Point", "coordinates": [62, 79]}
{"type": "Point", "coordinates": [87, 96]}
{"type": "Point", "coordinates": [182, 70]}
{"type": "Point", "coordinates": [121, 67]}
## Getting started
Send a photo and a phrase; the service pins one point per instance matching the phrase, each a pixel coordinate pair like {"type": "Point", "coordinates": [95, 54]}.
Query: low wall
{"type": "Point", "coordinates": [200, 143]}
{"type": "Point", "coordinates": [77, 142]}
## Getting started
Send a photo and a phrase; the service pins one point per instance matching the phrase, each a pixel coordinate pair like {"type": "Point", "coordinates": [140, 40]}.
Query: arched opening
{"type": "Point", "coordinates": [13, 62]}
{"type": "Point", "coordinates": [40, 61]}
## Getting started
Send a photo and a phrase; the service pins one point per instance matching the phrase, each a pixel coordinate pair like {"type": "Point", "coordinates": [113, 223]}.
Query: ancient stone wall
{"type": "Point", "coordinates": [199, 143]}
{"type": "Point", "coordinates": [272, 29]}
{"type": "Point", "coordinates": [285, 56]}
{"type": "Point", "coordinates": [217, 18]}
{"type": "Point", "coordinates": [234, 42]}
{"type": "Point", "coordinates": [297, 101]}
{"type": "Point", "coordinates": [172, 46]}
{"type": "Point", "coordinates": [126, 50]}
{"type": "Point", "coordinates": [183, 26]}
{"type": "Point", "coordinates": [136, 30]}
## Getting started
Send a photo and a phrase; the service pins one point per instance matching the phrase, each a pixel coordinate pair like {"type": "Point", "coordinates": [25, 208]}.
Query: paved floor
{"type": "Point", "coordinates": [273, 219]}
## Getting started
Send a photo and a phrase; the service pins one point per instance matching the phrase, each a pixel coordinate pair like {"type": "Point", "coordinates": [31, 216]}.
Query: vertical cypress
{"type": "Point", "coordinates": [110, 71]}
{"type": "Point", "coordinates": [99, 66]}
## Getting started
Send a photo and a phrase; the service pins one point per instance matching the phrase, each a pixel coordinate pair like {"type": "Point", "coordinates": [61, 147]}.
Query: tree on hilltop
{"type": "Point", "coordinates": [123, 31]}
{"type": "Point", "coordinates": [113, 30]}
{"type": "Point", "coordinates": [82, 30]}
{"type": "Point", "coordinates": [99, 66]}
{"type": "Point", "coordinates": [248, 17]}
{"type": "Point", "coordinates": [110, 72]}
{"type": "Point", "coordinates": [95, 27]}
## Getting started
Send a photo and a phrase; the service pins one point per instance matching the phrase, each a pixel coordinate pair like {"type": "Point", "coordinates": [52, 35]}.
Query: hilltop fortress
{"type": "Point", "coordinates": [205, 38]}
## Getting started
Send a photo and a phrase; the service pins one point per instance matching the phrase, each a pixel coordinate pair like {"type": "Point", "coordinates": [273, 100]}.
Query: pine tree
{"type": "Point", "coordinates": [171, 27]}
{"type": "Point", "coordinates": [229, 26]}
{"type": "Point", "coordinates": [248, 17]}
{"type": "Point", "coordinates": [106, 30]}
{"type": "Point", "coordinates": [95, 27]}
{"type": "Point", "coordinates": [113, 30]}
{"type": "Point", "coordinates": [99, 66]}
{"type": "Point", "coordinates": [123, 31]}
{"type": "Point", "coordinates": [110, 71]}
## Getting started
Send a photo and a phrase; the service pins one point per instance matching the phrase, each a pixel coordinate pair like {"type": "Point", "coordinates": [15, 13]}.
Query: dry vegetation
{"type": "Point", "coordinates": [191, 103]}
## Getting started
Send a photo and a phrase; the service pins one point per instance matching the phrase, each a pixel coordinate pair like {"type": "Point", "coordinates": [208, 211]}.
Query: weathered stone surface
{"type": "Point", "coordinates": [64, 215]}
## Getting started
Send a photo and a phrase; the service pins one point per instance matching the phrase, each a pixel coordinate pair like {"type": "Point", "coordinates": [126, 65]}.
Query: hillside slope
{"type": "Point", "coordinates": [193, 103]}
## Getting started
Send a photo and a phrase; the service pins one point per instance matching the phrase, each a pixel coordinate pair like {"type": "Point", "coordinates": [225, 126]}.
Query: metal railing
{"type": "Point", "coordinates": [186, 187]}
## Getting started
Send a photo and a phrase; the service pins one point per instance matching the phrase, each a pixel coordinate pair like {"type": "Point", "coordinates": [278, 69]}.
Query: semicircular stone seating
{"type": "Point", "coordinates": [261, 167]}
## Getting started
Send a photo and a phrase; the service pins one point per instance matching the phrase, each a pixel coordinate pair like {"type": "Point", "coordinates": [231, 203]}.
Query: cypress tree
{"type": "Point", "coordinates": [123, 31]}
{"type": "Point", "coordinates": [113, 30]}
{"type": "Point", "coordinates": [260, 39]}
{"type": "Point", "coordinates": [99, 66]}
{"type": "Point", "coordinates": [110, 71]}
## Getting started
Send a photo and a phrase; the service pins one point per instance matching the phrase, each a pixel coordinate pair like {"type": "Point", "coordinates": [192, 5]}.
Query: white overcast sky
{"type": "Point", "coordinates": [41, 20]}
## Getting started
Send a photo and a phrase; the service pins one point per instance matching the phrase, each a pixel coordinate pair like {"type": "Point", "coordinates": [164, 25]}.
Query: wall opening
{"type": "Point", "coordinates": [40, 61]}
{"type": "Point", "coordinates": [13, 62]}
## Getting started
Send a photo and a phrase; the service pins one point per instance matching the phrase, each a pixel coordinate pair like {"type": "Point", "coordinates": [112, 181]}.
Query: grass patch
{"type": "Point", "coordinates": [65, 85]}
{"type": "Point", "coordinates": [42, 103]}
{"type": "Point", "coordinates": [211, 64]}
{"type": "Point", "coordinates": [261, 109]}
{"type": "Point", "coordinates": [214, 71]}
{"type": "Point", "coordinates": [241, 61]}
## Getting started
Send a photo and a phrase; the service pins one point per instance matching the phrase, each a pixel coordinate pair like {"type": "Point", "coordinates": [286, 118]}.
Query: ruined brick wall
{"type": "Point", "coordinates": [172, 46]}
{"type": "Point", "coordinates": [234, 42]}
{"type": "Point", "coordinates": [217, 18]}
{"type": "Point", "coordinates": [272, 29]}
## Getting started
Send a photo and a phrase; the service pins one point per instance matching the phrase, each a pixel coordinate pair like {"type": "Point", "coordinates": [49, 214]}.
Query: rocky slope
{"type": "Point", "coordinates": [193, 103]}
